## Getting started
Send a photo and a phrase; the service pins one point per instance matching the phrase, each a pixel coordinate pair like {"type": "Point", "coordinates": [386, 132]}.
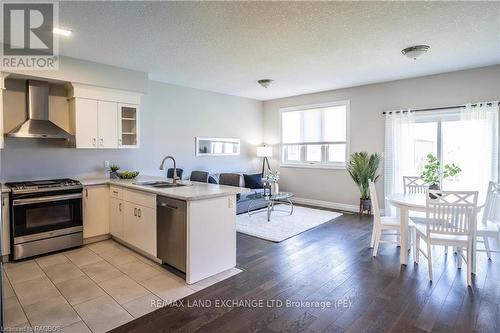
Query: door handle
{"type": "Point", "coordinates": [86, 193]}
{"type": "Point", "coordinates": [135, 211]}
{"type": "Point", "coordinates": [139, 213]}
{"type": "Point", "coordinates": [120, 206]}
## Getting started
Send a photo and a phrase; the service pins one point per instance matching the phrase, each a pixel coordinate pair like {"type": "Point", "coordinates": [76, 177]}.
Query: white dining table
{"type": "Point", "coordinates": [416, 202]}
{"type": "Point", "coordinates": [406, 202]}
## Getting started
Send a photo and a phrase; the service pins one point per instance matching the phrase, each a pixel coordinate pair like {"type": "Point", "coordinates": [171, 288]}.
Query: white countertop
{"type": "Point", "coordinates": [195, 191]}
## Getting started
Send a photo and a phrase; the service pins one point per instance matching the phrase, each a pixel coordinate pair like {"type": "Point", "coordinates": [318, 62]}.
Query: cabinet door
{"type": "Point", "coordinates": [130, 223]}
{"type": "Point", "coordinates": [108, 124]}
{"type": "Point", "coordinates": [116, 218]}
{"type": "Point", "coordinates": [95, 211]}
{"type": "Point", "coordinates": [85, 123]}
{"type": "Point", "coordinates": [146, 229]}
{"type": "Point", "coordinates": [128, 126]}
{"type": "Point", "coordinates": [5, 225]}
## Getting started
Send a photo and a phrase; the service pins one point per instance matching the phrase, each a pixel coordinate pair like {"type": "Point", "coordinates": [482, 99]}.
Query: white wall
{"type": "Point", "coordinates": [171, 117]}
{"type": "Point", "coordinates": [367, 122]}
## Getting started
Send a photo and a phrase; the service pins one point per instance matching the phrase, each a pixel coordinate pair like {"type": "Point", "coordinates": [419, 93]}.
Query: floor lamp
{"type": "Point", "coordinates": [265, 152]}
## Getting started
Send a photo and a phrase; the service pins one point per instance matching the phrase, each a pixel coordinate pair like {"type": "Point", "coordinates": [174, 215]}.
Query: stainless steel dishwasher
{"type": "Point", "coordinates": [171, 232]}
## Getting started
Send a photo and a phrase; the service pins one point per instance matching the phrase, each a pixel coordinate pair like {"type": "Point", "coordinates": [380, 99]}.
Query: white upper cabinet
{"type": "Point", "coordinates": [107, 124]}
{"type": "Point", "coordinates": [128, 126]}
{"type": "Point", "coordinates": [104, 118]}
{"type": "Point", "coordinates": [84, 114]}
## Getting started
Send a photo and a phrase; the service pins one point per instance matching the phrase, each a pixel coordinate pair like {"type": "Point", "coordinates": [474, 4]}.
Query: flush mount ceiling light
{"type": "Point", "coordinates": [62, 32]}
{"type": "Point", "coordinates": [265, 82]}
{"type": "Point", "coordinates": [413, 52]}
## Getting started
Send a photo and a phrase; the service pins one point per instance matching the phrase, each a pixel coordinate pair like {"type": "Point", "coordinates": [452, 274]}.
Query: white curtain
{"type": "Point", "coordinates": [397, 134]}
{"type": "Point", "coordinates": [479, 146]}
{"type": "Point", "coordinates": [467, 137]}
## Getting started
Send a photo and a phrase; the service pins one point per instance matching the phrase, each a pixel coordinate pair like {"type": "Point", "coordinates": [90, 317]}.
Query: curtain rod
{"type": "Point", "coordinates": [435, 109]}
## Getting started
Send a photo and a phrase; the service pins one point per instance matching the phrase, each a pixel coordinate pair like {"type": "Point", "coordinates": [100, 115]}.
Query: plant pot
{"type": "Point", "coordinates": [113, 175]}
{"type": "Point", "coordinates": [365, 205]}
{"type": "Point", "coordinates": [433, 187]}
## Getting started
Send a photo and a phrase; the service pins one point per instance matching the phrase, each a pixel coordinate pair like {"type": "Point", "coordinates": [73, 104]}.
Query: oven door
{"type": "Point", "coordinates": [36, 216]}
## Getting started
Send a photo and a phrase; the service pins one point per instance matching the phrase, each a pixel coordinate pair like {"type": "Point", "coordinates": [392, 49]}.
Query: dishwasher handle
{"type": "Point", "coordinates": [165, 205]}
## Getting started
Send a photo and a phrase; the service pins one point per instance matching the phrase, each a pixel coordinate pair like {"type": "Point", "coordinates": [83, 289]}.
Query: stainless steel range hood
{"type": "Point", "coordinates": [37, 124]}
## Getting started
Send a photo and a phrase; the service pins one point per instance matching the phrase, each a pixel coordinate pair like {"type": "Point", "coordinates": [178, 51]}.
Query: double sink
{"type": "Point", "coordinates": [161, 184]}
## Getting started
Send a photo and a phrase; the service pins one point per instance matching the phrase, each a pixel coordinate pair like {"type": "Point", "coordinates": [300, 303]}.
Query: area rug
{"type": "Point", "coordinates": [282, 225]}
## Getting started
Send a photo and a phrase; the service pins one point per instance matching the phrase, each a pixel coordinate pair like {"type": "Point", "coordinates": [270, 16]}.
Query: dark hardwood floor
{"type": "Point", "coordinates": [333, 263]}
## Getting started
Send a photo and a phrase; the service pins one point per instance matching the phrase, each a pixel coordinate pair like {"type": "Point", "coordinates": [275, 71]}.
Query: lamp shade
{"type": "Point", "coordinates": [264, 151]}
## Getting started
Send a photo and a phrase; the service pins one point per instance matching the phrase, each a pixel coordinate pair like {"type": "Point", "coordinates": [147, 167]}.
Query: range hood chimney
{"type": "Point", "coordinates": [37, 124]}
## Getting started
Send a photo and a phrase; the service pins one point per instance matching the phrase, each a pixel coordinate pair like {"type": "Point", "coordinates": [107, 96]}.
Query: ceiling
{"type": "Point", "coordinates": [304, 46]}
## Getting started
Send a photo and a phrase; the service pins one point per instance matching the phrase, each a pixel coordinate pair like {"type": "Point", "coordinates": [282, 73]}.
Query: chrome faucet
{"type": "Point", "coordinates": [175, 167]}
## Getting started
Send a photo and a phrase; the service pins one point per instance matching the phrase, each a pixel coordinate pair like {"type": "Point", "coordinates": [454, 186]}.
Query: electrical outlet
{"type": "Point", "coordinates": [106, 164]}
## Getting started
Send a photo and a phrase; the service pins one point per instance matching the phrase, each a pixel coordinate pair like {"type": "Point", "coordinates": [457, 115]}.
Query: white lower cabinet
{"type": "Point", "coordinates": [95, 211]}
{"type": "Point", "coordinates": [116, 218]}
{"type": "Point", "coordinates": [134, 223]}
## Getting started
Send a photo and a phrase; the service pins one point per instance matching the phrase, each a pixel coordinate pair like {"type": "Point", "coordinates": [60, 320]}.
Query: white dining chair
{"type": "Point", "coordinates": [414, 185]}
{"type": "Point", "coordinates": [382, 225]}
{"type": "Point", "coordinates": [489, 225]}
{"type": "Point", "coordinates": [450, 221]}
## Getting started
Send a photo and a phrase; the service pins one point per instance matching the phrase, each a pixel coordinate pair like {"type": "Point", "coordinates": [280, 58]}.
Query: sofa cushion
{"type": "Point", "coordinates": [253, 181]}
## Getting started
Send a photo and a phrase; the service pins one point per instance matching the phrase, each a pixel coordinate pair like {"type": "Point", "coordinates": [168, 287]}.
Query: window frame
{"type": "Point", "coordinates": [324, 164]}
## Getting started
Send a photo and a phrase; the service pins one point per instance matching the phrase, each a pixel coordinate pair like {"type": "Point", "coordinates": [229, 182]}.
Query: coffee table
{"type": "Point", "coordinates": [281, 197]}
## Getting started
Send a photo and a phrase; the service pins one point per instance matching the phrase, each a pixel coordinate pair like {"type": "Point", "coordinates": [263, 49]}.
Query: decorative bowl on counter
{"type": "Point", "coordinates": [128, 174]}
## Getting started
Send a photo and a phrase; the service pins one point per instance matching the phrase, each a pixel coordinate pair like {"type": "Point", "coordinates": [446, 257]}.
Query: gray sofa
{"type": "Point", "coordinates": [242, 199]}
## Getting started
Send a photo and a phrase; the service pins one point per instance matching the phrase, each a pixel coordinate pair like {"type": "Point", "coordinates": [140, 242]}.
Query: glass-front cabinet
{"type": "Point", "coordinates": [128, 131]}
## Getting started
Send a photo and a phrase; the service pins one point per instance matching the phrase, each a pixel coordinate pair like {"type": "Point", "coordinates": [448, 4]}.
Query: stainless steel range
{"type": "Point", "coordinates": [45, 216]}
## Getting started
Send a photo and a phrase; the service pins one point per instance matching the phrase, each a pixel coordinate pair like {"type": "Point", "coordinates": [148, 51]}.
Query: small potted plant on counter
{"type": "Point", "coordinates": [432, 172]}
{"type": "Point", "coordinates": [363, 168]}
{"type": "Point", "coordinates": [113, 174]}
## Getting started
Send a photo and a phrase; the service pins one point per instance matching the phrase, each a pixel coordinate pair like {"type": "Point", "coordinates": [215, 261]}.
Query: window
{"type": "Point", "coordinates": [452, 139]}
{"type": "Point", "coordinates": [315, 135]}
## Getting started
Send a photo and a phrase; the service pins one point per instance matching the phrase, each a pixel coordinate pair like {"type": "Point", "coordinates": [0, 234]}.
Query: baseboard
{"type": "Point", "coordinates": [94, 239]}
{"type": "Point", "coordinates": [327, 204]}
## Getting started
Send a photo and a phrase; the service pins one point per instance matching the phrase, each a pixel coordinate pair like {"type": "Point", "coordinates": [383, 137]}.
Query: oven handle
{"type": "Point", "coordinates": [50, 198]}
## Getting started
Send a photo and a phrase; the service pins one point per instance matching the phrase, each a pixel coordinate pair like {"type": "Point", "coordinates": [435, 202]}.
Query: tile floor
{"type": "Point", "coordinates": [90, 289]}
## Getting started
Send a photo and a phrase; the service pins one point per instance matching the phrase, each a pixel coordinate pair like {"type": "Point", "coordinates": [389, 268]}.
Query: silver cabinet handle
{"type": "Point", "coordinates": [139, 213]}
{"type": "Point", "coordinates": [135, 211]}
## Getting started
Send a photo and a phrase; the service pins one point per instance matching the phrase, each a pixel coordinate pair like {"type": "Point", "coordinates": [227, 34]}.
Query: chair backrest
{"type": "Point", "coordinates": [413, 184]}
{"type": "Point", "coordinates": [492, 205]}
{"type": "Point", "coordinates": [451, 212]}
{"type": "Point", "coordinates": [170, 173]}
{"type": "Point", "coordinates": [199, 176]}
{"type": "Point", "coordinates": [374, 200]}
{"type": "Point", "coordinates": [231, 179]}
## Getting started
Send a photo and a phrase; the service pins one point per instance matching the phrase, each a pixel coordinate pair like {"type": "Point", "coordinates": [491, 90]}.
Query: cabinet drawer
{"type": "Point", "coordinates": [116, 192]}
{"type": "Point", "coordinates": [140, 198]}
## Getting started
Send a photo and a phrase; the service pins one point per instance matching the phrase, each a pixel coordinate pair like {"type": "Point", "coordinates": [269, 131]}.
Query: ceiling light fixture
{"type": "Point", "coordinates": [62, 32]}
{"type": "Point", "coordinates": [413, 52]}
{"type": "Point", "coordinates": [265, 82]}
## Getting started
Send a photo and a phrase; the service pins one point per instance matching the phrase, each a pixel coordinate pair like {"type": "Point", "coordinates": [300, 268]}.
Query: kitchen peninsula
{"type": "Point", "coordinates": [130, 211]}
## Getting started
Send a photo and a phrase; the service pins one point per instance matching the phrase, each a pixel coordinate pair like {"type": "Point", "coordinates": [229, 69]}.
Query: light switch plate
{"type": "Point", "coordinates": [106, 164]}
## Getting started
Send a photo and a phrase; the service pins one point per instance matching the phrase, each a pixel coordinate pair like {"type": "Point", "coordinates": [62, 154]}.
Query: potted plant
{"type": "Point", "coordinates": [364, 167]}
{"type": "Point", "coordinates": [113, 171]}
{"type": "Point", "coordinates": [432, 172]}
